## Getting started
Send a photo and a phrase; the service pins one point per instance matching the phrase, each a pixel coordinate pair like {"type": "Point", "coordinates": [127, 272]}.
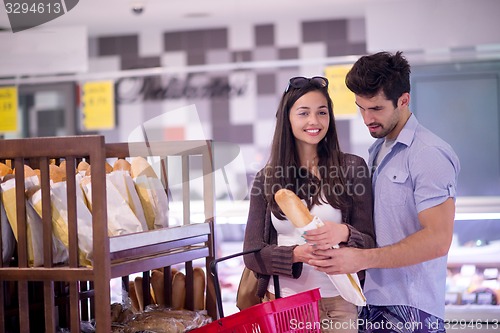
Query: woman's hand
{"type": "Point", "coordinates": [327, 236]}
{"type": "Point", "coordinates": [305, 252]}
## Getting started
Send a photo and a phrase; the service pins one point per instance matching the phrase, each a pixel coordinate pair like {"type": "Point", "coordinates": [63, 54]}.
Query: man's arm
{"type": "Point", "coordinates": [432, 241]}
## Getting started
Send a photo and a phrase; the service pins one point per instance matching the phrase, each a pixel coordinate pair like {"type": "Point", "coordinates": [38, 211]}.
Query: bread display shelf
{"type": "Point", "coordinates": [116, 256]}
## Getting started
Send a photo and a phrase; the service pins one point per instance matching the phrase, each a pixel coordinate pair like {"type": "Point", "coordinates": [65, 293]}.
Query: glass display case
{"type": "Point", "coordinates": [473, 284]}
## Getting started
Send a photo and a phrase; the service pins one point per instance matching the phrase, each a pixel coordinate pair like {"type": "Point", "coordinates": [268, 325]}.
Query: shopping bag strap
{"type": "Point", "coordinates": [277, 290]}
{"type": "Point", "coordinates": [213, 268]}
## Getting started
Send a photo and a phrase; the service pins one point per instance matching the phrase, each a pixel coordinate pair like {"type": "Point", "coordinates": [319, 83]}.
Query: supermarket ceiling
{"type": "Point", "coordinates": [103, 17]}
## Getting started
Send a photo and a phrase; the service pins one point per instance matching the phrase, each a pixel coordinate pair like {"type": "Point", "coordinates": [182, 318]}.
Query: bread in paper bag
{"type": "Point", "coordinates": [9, 204]}
{"type": "Point", "coordinates": [33, 219]}
{"type": "Point", "coordinates": [296, 211]}
{"type": "Point", "coordinates": [121, 219]}
{"type": "Point", "coordinates": [58, 196]}
{"type": "Point", "coordinates": [121, 178]}
{"type": "Point", "coordinates": [151, 193]}
{"type": "Point", "coordinates": [4, 170]}
{"type": "Point", "coordinates": [82, 167]}
{"type": "Point", "coordinates": [34, 214]}
{"type": "Point", "coordinates": [88, 170]}
{"type": "Point", "coordinates": [122, 164]}
{"type": "Point", "coordinates": [8, 240]}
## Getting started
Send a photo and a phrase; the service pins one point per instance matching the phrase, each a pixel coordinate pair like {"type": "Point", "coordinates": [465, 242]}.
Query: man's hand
{"type": "Point", "coordinates": [340, 261]}
{"type": "Point", "coordinates": [305, 252]}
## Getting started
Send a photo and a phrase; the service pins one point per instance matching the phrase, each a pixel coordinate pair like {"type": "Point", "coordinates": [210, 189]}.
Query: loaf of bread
{"type": "Point", "coordinates": [299, 216]}
{"type": "Point", "coordinates": [179, 291]}
{"type": "Point", "coordinates": [107, 167]}
{"type": "Point", "coordinates": [116, 310]}
{"type": "Point", "coordinates": [139, 292]}
{"type": "Point", "coordinates": [4, 169]}
{"type": "Point", "coordinates": [293, 208]}
{"type": "Point", "coordinates": [133, 296]}
{"type": "Point", "coordinates": [199, 288]}
{"type": "Point", "coordinates": [141, 167]}
{"type": "Point", "coordinates": [56, 174]}
{"type": "Point", "coordinates": [154, 321]}
{"type": "Point", "coordinates": [158, 287]}
{"type": "Point", "coordinates": [122, 164]}
{"type": "Point", "coordinates": [28, 172]}
{"type": "Point", "coordinates": [82, 166]}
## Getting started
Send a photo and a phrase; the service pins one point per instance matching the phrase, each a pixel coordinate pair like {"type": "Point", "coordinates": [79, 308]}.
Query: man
{"type": "Point", "coordinates": [414, 175]}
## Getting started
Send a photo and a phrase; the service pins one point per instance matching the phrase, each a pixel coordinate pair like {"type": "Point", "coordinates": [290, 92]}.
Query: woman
{"type": "Point", "coordinates": [306, 158]}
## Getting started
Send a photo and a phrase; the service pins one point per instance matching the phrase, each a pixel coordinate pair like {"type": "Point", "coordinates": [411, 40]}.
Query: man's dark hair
{"type": "Point", "coordinates": [380, 71]}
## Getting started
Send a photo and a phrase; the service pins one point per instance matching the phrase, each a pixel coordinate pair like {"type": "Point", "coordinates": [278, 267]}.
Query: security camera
{"type": "Point", "coordinates": [138, 7]}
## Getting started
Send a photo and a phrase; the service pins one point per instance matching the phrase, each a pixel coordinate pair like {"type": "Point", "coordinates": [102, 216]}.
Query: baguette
{"type": "Point", "coordinates": [82, 166]}
{"type": "Point", "coordinates": [4, 169]}
{"type": "Point", "coordinates": [293, 208]}
{"type": "Point", "coordinates": [199, 288]}
{"type": "Point", "coordinates": [141, 167]}
{"type": "Point", "coordinates": [122, 164]}
{"type": "Point", "coordinates": [173, 270]}
{"type": "Point", "coordinates": [158, 286]}
{"type": "Point", "coordinates": [56, 174]}
{"type": "Point", "coordinates": [179, 291]}
{"type": "Point", "coordinates": [139, 293]}
{"type": "Point", "coordinates": [299, 216]}
{"type": "Point", "coordinates": [62, 165]}
{"type": "Point", "coordinates": [133, 296]}
{"type": "Point", "coordinates": [28, 172]}
{"type": "Point", "coordinates": [107, 166]}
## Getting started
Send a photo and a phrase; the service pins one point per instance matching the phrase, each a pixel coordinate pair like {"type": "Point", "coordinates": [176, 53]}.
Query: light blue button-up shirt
{"type": "Point", "coordinates": [419, 172]}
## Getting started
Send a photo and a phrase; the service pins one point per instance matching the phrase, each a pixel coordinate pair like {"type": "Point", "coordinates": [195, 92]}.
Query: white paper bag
{"type": "Point", "coordinates": [125, 185]}
{"type": "Point", "coordinates": [33, 213]}
{"type": "Point", "coordinates": [154, 201]}
{"type": "Point", "coordinates": [348, 285]}
{"type": "Point", "coordinates": [83, 216]}
{"type": "Point", "coordinates": [33, 220]}
{"type": "Point", "coordinates": [121, 219]}
{"type": "Point", "coordinates": [8, 240]}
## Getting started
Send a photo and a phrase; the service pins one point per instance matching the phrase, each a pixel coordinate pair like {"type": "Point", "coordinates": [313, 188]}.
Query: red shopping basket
{"type": "Point", "coordinates": [296, 313]}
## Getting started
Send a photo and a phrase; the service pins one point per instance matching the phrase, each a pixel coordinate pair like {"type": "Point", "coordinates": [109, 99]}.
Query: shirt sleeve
{"type": "Point", "coordinates": [434, 174]}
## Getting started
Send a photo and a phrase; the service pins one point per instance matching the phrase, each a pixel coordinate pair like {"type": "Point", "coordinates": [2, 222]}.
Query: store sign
{"type": "Point", "coordinates": [8, 109]}
{"type": "Point", "coordinates": [98, 105]}
{"type": "Point", "coordinates": [156, 88]}
{"type": "Point", "coordinates": [343, 99]}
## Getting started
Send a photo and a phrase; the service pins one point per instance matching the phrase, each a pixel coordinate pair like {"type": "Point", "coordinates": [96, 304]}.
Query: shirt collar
{"type": "Point", "coordinates": [405, 136]}
{"type": "Point", "coordinates": [408, 131]}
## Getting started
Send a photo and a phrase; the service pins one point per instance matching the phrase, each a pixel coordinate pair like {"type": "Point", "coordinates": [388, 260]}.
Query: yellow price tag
{"type": "Point", "coordinates": [343, 98]}
{"type": "Point", "coordinates": [8, 109]}
{"type": "Point", "coordinates": [98, 105]}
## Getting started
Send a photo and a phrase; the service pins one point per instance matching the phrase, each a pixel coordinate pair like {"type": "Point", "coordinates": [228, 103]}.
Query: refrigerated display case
{"type": "Point", "coordinates": [473, 284]}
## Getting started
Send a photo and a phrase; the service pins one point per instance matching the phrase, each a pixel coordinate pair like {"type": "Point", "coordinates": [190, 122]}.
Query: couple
{"type": "Point", "coordinates": [393, 219]}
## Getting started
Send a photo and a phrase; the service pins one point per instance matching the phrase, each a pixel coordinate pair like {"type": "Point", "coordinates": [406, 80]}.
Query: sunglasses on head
{"type": "Point", "coordinates": [300, 82]}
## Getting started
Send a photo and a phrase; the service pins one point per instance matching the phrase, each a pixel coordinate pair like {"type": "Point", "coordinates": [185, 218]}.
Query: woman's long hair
{"type": "Point", "coordinates": [283, 169]}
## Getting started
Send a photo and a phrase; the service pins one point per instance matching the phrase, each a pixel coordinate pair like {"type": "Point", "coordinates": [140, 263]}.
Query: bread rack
{"type": "Point", "coordinates": [117, 256]}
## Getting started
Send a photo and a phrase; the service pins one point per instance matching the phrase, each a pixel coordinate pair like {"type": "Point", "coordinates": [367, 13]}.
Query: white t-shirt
{"type": "Point", "coordinates": [310, 278]}
{"type": "Point", "coordinates": [384, 150]}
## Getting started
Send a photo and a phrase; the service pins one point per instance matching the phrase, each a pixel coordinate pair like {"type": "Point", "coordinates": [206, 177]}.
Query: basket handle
{"type": "Point", "coordinates": [213, 268]}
